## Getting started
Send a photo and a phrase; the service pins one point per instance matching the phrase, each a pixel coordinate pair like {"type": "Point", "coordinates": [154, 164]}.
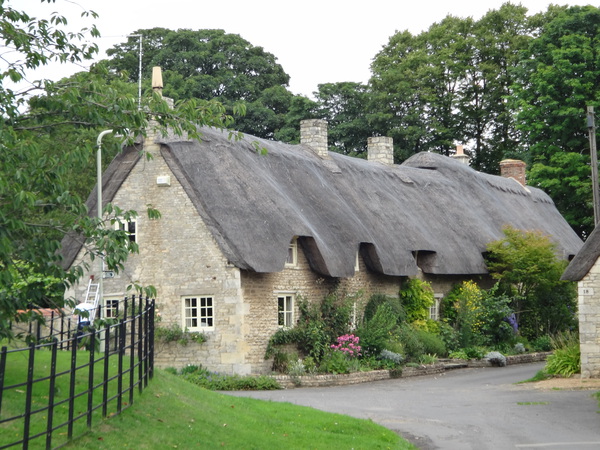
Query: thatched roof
{"type": "Point", "coordinates": [431, 209]}
{"type": "Point", "coordinates": [580, 266]}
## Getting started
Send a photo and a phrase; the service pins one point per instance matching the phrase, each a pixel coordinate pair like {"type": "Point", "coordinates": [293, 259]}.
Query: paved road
{"type": "Point", "coordinates": [464, 409]}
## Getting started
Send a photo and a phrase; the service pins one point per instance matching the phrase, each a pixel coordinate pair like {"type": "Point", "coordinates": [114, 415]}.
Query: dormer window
{"type": "Point", "coordinates": [292, 258]}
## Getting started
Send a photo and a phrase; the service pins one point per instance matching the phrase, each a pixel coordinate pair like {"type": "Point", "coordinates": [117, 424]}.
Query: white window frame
{"type": "Point", "coordinates": [198, 312]}
{"type": "Point", "coordinates": [434, 310]}
{"type": "Point", "coordinates": [111, 307]}
{"type": "Point", "coordinates": [133, 235]}
{"type": "Point", "coordinates": [286, 302]}
{"type": "Point", "coordinates": [292, 258]}
{"type": "Point", "coordinates": [356, 263]}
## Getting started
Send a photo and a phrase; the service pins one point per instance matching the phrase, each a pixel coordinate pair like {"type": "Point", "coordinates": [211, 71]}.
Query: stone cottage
{"type": "Point", "coordinates": [585, 269]}
{"type": "Point", "coordinates": [244, 234]}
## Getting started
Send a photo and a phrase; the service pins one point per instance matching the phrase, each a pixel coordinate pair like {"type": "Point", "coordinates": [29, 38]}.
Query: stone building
{"type": "Point", "coordinates": [585, 269]}
{"type": "Point", "coordinates": [243, 234]}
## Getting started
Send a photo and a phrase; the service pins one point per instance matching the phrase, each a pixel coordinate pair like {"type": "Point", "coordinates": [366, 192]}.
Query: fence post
{"type": "Point", "coordinates": [51, 394]}
{"type": "Point", "coordinates": [2, 372]}
{"type": "Point", "coordinates": [90, 402]}
{"type": "Point", "coordinates": [106, 374]}
{"type": "Point", "coordinates": [132, 352]}
{"type": "Point", "coordinates": [151, 336]}
{"type": "Point", "coordinates": [28, 396]}
{"type": "Point", "coordinates": [72, 386]}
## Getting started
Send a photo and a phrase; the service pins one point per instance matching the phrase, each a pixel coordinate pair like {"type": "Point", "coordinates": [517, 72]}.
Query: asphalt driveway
{"type": "Point", "coordinates": [479, 408]}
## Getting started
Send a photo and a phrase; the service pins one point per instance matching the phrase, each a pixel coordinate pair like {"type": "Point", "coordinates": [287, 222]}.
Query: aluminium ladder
{"type": "Point", "coordinates": [90, 302]}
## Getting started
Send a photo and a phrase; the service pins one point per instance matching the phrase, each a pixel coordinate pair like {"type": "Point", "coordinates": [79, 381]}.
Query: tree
{"type": "Point", "coordinates": [212, 64]}
{"type": "Point", "coordinates": [558, 78]}
{"type": "Point", "coordinates": [37, 208]}
{"type": "Point", "coordinates": [526, 266]}
{"type": "Point", "coordinates": [489, 122]}
{"type": "Point", "coordinates": [345, 107]}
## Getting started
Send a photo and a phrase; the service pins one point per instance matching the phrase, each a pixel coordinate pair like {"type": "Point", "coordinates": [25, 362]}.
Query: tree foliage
{"type": "Point", "coordinates": [558, 78]}
{"type": "Point", "coordinates": [526, 266]}
{"type": "Point", "coordinates": [38, 205]}
{"type": "Point", "coordinates": [211, 64]}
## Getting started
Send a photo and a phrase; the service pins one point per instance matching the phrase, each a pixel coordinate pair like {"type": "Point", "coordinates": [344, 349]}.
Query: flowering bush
{"type": "Point", "coordinates": [348, 345]}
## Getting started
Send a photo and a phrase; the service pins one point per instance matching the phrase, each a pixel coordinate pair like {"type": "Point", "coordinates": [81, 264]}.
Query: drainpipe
{"type": "Point", "coordinates": [99, 207]}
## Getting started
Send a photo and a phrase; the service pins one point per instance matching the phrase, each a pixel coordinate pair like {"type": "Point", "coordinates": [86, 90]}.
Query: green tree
{"type": "Point", "coordinates": [489, 123]}
{"type": "Point", "coordinates": [526, 265]}
{"type": "Point", "coordinates": [212, 64]}
{"type": "Point", "coordinates": [37, 207]}
{"type": "Point", "coordinates": [558, 77]}
{"type": "Point", "coordinates": [345, 107]}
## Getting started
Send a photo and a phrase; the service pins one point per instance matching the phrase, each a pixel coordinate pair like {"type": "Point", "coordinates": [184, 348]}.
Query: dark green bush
{"type": "Point", "coordinates": [542, 344]}
{"type": "Point", "coordinates": [221, 382]}
{"type": "Point", "coordinates": [377, 300]}
{"type": "Point", "coordinates": [335, 362]}
{"type": "Point", "coordinates": [375, 332]}
{"type": "Point", "coordinates": [413, 346]}
{"type": "Point", "coordinates": [432, 343]}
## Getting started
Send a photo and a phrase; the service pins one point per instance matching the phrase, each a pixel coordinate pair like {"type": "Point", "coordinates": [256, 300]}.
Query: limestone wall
{"type": "Point", "coordinates": [178, 256]}
{"type": "Point", "coordinates": [589, 322]}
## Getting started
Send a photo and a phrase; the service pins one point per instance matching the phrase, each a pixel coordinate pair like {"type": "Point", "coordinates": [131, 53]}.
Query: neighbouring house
{"type": "Point", "coordinates": [585, 269]}
{"type": "Point", "coordinates": [244, 234]}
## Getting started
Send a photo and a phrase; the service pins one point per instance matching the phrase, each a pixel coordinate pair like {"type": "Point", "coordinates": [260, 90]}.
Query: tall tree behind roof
{"type": "Point", "coordinates": [212, 64]}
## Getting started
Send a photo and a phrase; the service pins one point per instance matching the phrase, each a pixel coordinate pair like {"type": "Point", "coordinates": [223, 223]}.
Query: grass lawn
{"type": "Point", "coordinates": [172, 413]}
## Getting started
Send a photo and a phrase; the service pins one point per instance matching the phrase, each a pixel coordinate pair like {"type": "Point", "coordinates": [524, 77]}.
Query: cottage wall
{"type": "Point", "coordinates": [589, 322]}
{"type": "Point", "coordinates": [178, 255]}
{"type": "Point", "coordinates": [260, 291]}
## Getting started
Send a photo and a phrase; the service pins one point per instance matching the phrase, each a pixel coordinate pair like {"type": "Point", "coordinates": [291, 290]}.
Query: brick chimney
{"type": "Point", "coordinates": [313, 133]}
{"type": "Point", "coordinates": [513, 168]}
{"type": "Point", "coordinates": [381, 149]}
{"type": "Point", "coordinates": [460, 155]}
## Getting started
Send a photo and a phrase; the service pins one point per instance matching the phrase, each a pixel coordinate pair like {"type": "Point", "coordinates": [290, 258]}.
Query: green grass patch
{"type": "Point", "coordinates": [173, 413]}
{"type": "Point", "coordinates": [532, 403]}
{"type": "Point", "coordinates": [14, 400]}
{"type": "Point", "coordinates": [539, 376]}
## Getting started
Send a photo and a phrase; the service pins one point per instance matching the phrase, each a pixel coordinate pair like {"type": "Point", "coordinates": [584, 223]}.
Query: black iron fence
{"type": "Point", "coordinates": [75, 372]}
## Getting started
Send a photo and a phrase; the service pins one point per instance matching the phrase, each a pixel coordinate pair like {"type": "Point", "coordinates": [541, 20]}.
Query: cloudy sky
{"type": "Point", "coordinates": [316, 41]}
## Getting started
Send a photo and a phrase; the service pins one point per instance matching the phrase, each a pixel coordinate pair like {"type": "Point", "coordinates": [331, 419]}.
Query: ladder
{"type": "Point", "coordinates": [90, 302]}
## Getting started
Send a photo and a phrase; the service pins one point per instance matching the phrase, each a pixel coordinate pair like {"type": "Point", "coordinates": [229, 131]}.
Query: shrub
{"type": "Point", "coordinates": [174, 333]}
{"type": "Point", "coordinates": [221, 382]}
{"type": "Point", "coordinates": [377, 300]}
{"type": "Point", "coordinates": [348, 345]}
{"type": "Point", "coordinates": [496, 359]}
{"type": "Point", "coordinates": [519, 348]}
{"type": "Point", "coordinates": [296, 368]}
{"type": "Point", "coordinates": [542, 344]}
{"type": "Point", "coordinates": [410, 340]}
{"type": "Point", "coordinates": [375, 333]}
{"type": "Point", "coordinates": [432, 343]}
{"type": "Point", "coordinates": [396, 358]}
{"type": "Point", "coordinates": [334, 362]}
{"type": "Point", "coordinates": [417, 298]}
{"type": "Point", "coordinates": [566, 358]}
{"type": "Point", "coordinates": [428, 359]}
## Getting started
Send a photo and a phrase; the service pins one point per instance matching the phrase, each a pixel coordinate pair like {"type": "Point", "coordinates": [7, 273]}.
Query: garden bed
{"type": "Point", "coordinates": [289, 381]}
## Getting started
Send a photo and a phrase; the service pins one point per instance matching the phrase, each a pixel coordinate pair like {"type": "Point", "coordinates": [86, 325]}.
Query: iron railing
{"type": "Point", "coordinates": [74, 372]}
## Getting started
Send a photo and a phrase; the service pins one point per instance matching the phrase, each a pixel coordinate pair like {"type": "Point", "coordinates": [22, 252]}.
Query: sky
{"type": "Point", "coordinates": [315, 41]}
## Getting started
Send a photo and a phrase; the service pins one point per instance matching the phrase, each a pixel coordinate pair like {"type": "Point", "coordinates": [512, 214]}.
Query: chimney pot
{"type": "Point", "coordinates": [460, 155]}
{"type": "Point", "coordinates": [157, 81]}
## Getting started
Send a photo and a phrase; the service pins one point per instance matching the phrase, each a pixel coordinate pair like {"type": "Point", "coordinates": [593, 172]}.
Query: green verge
{"type": "Point", "coordinates": [173, 413]}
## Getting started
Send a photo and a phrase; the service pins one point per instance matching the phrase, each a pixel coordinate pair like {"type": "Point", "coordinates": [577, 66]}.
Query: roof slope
{"type": "Point", "coordinates": [432, 205]}
{"type": "Point", "coordinates": [585, 259]}
{"type": "Point", "coordinates": [431, 209]}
